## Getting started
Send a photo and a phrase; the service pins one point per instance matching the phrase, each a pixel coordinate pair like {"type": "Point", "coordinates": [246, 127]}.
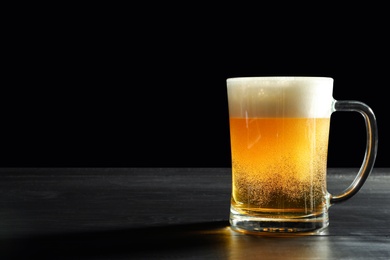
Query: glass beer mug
{"type": "Point", "coordinates": [279, 132]}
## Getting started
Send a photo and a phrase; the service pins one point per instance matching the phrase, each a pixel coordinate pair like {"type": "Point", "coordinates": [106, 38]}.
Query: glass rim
{"type": "Point", "coordinates": [279, 78]}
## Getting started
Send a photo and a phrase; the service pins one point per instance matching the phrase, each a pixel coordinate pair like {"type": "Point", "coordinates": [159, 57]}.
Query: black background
{"type": "Point", "coordinates": [145, 86]}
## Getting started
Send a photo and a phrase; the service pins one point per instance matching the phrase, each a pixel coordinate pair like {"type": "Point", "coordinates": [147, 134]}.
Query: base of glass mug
{"type": "Point", "coordinates": [272, 225]}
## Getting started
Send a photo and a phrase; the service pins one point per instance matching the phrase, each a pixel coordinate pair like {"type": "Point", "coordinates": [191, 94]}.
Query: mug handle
{"type": "Point", "coordinates": [371, 146]}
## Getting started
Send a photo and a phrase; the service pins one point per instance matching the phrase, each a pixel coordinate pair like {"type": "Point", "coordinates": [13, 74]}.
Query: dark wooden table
{"type": "Point", "coordinates": [171, 213]}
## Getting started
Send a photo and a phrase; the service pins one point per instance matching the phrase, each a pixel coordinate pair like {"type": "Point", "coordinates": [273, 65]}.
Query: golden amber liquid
{"type": "Point", "coordinates": [279, 164]}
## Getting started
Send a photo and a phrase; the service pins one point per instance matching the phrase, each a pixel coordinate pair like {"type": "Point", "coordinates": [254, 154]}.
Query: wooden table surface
{"type": "Point", "coordinates": [171, 213]}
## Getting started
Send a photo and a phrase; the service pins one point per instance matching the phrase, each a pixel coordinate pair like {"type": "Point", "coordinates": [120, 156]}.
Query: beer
{"type": "Point", "coordinates": [279, 130]}
{"type": "Point", "coordinates": [279, 164]}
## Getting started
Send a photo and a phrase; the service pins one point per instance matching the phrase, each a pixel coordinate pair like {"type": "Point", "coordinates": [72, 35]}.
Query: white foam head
{"type": "Point", "coordinates": [280, 96]}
